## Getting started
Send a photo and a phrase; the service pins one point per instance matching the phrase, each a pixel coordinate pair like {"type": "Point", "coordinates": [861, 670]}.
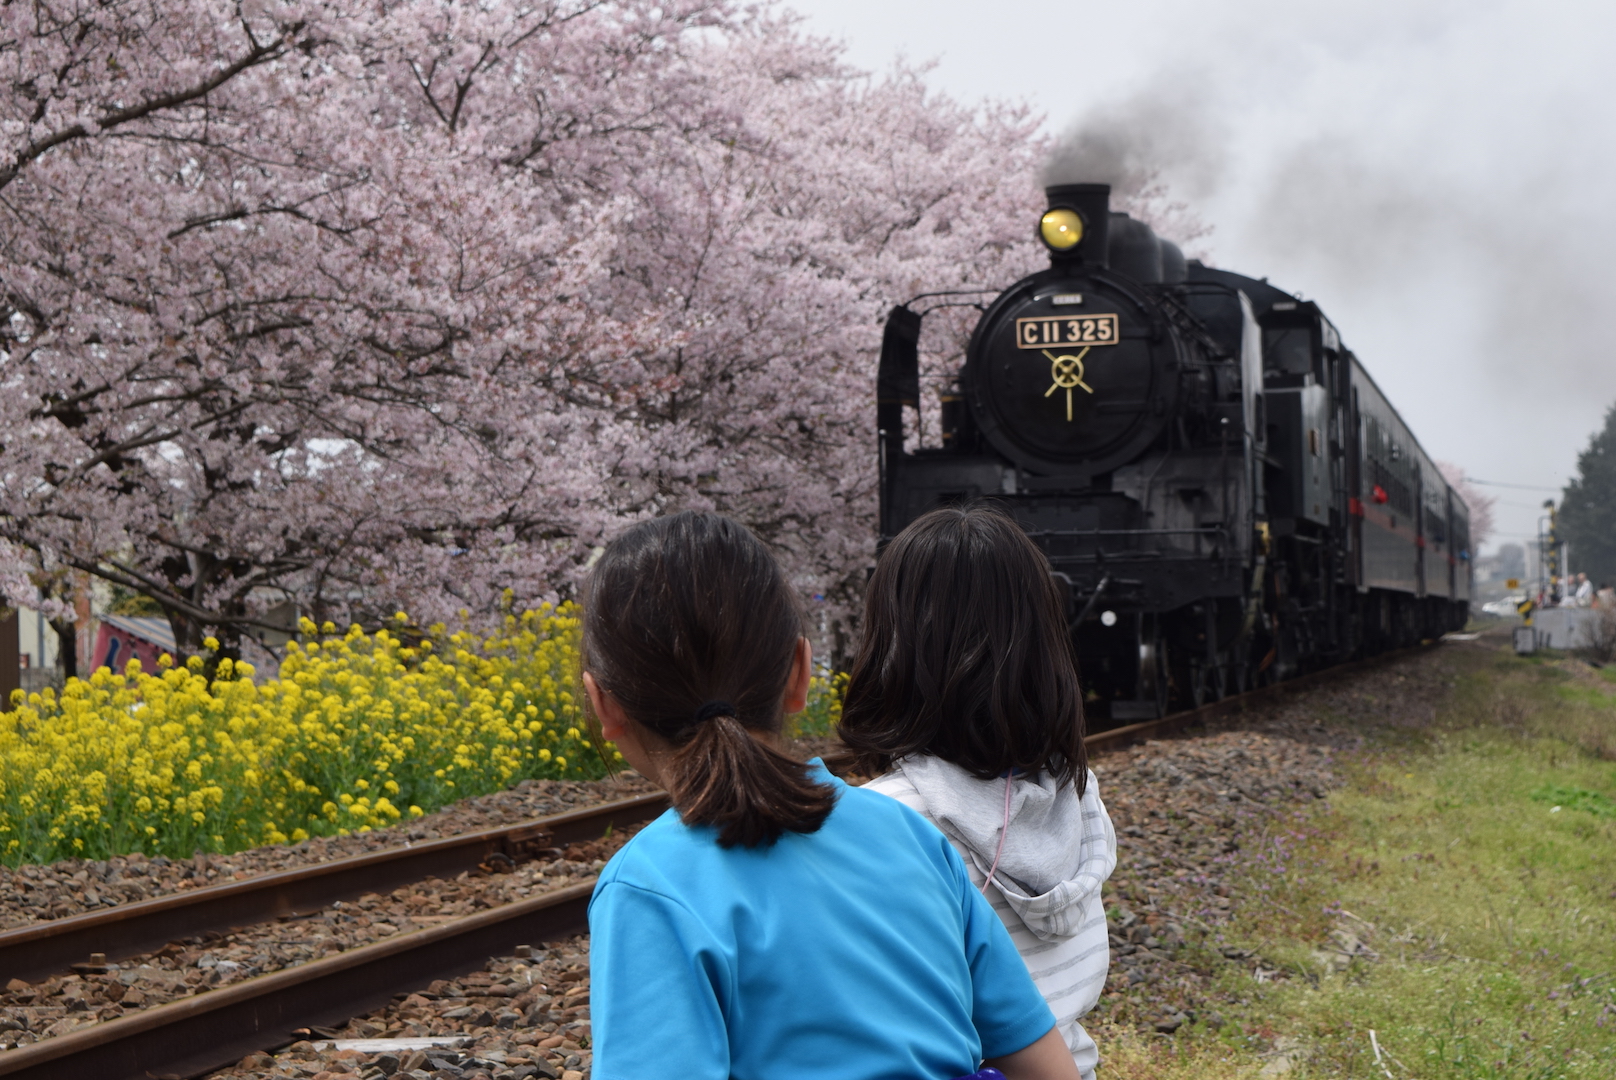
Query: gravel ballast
{"type": "Point", "coordinates": [69, 1002]}
{"type": "Point", "coordinates": [30, 894]}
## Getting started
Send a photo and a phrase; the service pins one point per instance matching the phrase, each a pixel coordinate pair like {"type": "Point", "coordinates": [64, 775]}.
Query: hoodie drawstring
{"type": "Point", "coordinates": [1009, 780]}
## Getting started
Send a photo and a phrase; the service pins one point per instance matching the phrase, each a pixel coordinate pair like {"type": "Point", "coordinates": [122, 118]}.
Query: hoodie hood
{"type": "Point", "coordinates": [1058, 850]}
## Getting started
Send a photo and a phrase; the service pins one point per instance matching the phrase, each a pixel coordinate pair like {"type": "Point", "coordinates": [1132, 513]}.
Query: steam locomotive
{"type": "Point", "coordinates": [1226, 497]}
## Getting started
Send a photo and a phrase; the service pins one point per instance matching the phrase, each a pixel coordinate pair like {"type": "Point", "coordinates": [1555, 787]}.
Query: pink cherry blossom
{"type": "Point", "coordinates": [1481, 505]}
{"type": "Point", "coordinates": [410, 304]}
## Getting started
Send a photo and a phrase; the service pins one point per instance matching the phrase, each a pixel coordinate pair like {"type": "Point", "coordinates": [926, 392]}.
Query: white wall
{"type": "Point", "coordinates": [36, 642]}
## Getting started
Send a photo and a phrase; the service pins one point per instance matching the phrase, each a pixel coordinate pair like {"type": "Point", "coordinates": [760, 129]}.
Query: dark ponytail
{"type": "Point", "coordinates": [690, 625]}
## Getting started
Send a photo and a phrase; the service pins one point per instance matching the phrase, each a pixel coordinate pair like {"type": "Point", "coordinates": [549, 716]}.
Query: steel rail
{"type": "Point", "coordinates": [32, 953]}
{"type": "Point", "coordinates": [218, 1028]}
{"type": "Point", "coordinates": [1237, 703]}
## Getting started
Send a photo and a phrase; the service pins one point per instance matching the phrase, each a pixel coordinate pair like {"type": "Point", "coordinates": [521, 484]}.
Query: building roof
{"type": "Point", "coordinates": [155, 630]}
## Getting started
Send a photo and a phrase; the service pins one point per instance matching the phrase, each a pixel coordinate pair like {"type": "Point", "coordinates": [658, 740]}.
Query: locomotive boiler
{"type": "Point", "coordinates": [1223, 492]}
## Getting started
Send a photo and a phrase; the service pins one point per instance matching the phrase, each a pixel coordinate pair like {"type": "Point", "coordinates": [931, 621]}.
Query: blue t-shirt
{"type": "Point", "coordinates": [860, 951]}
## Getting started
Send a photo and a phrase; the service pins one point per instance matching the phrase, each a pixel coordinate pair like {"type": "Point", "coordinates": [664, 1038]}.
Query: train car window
{"type": "Point", "coordinates": [1398, 495]}
{"type": "Point", "coordinates": [1387, 468]}
{"type": "Point", "coordinates": [1438, 528]}
{"type": "Point", "coordinates": [1288, 350]}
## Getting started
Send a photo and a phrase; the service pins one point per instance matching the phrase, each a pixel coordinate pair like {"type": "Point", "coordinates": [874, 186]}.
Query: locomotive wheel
{"type": "Point", "coordinates": [1198, 684]}
{"type": "Point", "coordinates": [1214, 685]}
{"type": "Point", "coordinates": [1153, 665]}
{"type": "Point", "coordinates": [1237, 679]}
{"type": "Point", "coordinates": [1212, 673]}
{"type": "Point", "coordinates": [1205, 681]}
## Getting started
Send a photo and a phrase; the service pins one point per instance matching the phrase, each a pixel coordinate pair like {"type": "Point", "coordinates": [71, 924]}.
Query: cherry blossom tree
{"type": "Point", "coordinates": [274, 303]}
{"type": "Point", "coordinates": [1480, 504]}
{"type": "Point", "coordinates": [408, 304]}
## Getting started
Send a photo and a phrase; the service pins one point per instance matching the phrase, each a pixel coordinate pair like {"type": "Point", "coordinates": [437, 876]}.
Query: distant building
{"type": "Point", "coordinates": [1509, 561]}
{"type": "Point", "coordinates": [123, 637]}
{"type": "Point", "coordinates": [29, 658]}
{"type": "Point", "coordinates": [38, 651]}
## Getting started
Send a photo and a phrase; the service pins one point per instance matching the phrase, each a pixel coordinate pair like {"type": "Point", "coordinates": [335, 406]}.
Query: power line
{"type": "Point", "coordinates": [1523, 487]}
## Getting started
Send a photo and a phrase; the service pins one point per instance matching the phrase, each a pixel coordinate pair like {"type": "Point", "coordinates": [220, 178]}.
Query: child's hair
{"type": "Point", "coordinates": [691, 626]}
{"type": "Point", "coordinates": [966, 654]}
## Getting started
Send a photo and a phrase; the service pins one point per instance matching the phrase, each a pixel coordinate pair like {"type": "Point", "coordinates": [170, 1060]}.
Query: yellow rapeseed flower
{"type": "Point", "coordinates": [352, 729]}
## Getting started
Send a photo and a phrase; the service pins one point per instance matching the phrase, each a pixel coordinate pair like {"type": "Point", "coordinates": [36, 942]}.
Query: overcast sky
{"type": "Point", "coordinates": [1439, 176]}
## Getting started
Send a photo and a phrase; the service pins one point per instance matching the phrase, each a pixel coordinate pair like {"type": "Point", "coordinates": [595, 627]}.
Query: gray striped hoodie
{"type": "Point", "coordinates": [1057, 852]}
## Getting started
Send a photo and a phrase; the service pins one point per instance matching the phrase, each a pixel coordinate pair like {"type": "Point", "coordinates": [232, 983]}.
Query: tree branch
{"type": "Point", "coordinates": [132, 579]}
{"type": "Point", "coordinates": [258, 54]}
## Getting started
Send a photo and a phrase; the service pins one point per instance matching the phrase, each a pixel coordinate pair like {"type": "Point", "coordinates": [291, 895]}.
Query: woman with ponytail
{"type": "Point", "coordinates": [775, 923]}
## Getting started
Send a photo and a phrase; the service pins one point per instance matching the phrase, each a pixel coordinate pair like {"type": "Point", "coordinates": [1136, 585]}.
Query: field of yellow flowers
{"type": "Point", "coordinates": [358, 731]}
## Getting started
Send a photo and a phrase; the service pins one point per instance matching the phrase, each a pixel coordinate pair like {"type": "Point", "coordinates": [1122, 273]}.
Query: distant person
{"type": "Point", "coordinates": [964, 704]}
{"type": "Point", "coordinates": [1585, 591]}
{"type": "Point", "coordinates": [1605, 597]}
{"type": "Point", "coordinates": [776, 924]}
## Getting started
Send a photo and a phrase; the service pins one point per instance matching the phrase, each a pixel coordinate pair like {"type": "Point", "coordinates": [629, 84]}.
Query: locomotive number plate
{"type": "Point", "coordinates": [1047, 330]}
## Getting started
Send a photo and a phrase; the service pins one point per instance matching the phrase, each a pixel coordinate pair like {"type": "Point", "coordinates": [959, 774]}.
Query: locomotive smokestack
{"type": "Point", "coordinates": [1092, 204]}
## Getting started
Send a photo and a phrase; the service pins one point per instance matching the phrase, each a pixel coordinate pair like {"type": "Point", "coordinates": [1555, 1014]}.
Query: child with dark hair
{"type": "Point", "coordinates": [775, 923]}
{"type": "Point", "coordinates": [964, 704]}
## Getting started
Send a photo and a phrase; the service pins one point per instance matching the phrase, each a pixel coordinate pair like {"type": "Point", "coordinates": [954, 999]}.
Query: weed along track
{"type": "Point", "coordinates": [465, 956]}
{"type": "Point", "coordinates": [1203, 824]}
{"type": "Point", "coordinates": [1386, 876]}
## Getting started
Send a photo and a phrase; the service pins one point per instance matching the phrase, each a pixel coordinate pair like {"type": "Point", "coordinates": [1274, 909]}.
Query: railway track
{"type": "Point", "coordinates": [1236, 704]}
{"type": "Point", "coordinates": [195, 1035]}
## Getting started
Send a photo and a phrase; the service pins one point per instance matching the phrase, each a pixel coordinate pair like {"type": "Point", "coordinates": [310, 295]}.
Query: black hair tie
{"type": "Point", "coordinates": [712, 709]}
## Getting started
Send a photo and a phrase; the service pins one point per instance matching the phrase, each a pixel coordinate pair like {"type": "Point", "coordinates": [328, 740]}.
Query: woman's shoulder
{"type": "Point", "coordinates": [665, 840]}
{"type": "Point", "coordinates": [886, 795]}
{"type": "Point", "coordinates": [897, 785]}
{"type": "Point", "coordinates": [682, 862]}
{"type": "Point", "coordinates": [891, 783]}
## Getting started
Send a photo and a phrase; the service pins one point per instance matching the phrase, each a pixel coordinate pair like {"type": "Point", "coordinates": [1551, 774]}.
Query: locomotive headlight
{"type": "Point", "coordinates": [1061, 229]}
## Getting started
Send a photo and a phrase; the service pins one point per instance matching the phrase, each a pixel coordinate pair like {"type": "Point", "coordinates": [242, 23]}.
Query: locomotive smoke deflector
{"type": "Point", "coordinates": [1091, 205]}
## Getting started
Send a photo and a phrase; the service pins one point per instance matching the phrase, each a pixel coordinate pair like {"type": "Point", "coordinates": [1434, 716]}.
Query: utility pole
{"type": "Point", "coordinates": [1552, 553]}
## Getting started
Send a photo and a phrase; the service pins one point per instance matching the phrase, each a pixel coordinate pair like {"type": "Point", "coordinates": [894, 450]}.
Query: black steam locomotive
{"type": "Point", "coordinates": [1223, 490]}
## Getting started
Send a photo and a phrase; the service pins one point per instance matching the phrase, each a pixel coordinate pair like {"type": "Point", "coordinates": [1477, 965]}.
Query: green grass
{"type": "Point", "coordinates": [1572, 798]}
{"type": "Point", "coordinates": [1594, 696]}
{"type": "Point", "coordinates": [1457, 898]}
